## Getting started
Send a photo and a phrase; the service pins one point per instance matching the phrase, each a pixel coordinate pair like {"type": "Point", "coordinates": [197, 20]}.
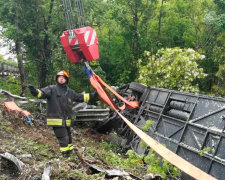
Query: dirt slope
{"type": "Point", "coordinates": [36, 145]}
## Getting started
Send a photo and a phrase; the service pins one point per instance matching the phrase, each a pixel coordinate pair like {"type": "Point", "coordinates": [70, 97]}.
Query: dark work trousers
{"type": "Point", "coordinates": [63, 135]}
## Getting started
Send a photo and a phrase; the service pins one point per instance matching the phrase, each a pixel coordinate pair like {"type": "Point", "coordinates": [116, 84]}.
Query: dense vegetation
{"type": "Point", "coordinates": [127, 30]}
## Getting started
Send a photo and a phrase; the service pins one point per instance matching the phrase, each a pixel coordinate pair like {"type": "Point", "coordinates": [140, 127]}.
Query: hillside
{"type": "Point", "coordinates": [36, 146]}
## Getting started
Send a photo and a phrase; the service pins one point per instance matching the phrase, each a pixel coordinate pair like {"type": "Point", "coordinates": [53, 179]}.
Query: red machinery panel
{"type": "Point", "coordinates": [83, 43]}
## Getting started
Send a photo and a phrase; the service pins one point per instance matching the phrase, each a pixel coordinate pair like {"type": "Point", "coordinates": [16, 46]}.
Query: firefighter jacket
{"type": "Point", "coordinates": [60, 99]}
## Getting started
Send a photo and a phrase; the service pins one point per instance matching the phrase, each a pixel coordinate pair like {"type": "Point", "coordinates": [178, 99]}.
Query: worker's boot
{"type": "Point", "coordinates": [65, 151]}
{"type": "Point", "coordinates": [71, 149]}
{"type": "Point", "coordinates": [66, 154]}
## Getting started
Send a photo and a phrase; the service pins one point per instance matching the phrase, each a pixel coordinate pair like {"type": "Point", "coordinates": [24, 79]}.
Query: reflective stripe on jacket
{"type": "Point", "coordinates": [58, 122]}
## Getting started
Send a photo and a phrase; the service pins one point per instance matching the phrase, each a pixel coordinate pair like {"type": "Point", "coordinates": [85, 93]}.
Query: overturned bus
{"type": "Point", "coordinates": [185, 123]}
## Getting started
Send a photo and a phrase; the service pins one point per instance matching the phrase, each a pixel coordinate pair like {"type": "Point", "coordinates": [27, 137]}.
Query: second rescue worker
{"type": "Point", "coordinates": [60, 99]}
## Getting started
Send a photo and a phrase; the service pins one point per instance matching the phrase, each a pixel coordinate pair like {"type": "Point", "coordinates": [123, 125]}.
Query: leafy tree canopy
{"type": "Point", "coordinates": [171, 68]}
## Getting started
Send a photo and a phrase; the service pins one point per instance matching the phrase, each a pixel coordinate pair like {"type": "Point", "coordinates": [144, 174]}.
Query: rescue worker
{"type": "Point", "coordinates": [60, 99]}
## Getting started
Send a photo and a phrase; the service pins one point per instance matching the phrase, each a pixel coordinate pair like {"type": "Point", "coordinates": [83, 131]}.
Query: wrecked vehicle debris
{"type": "Point", "coordinates": [13, 164]}
{"type": "Point", "coordinates": [111, 173]}
{"type": "Point", "coordinates": [186, 123]}
{"type": "Point", "coordinates": [47, 172]}
{"type": "Point", "coordinates": [92, 115]}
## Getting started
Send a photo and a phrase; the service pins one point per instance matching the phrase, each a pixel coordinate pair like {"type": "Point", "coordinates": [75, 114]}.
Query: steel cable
{"type": "Point", "coordinates": [80, 12]}
{"type": "Point", "coordinates": [80, 15]}
{"type": "Point", "coordinates": [69, 16]}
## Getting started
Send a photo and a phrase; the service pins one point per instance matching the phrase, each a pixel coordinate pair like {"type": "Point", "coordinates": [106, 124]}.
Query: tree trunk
{"type": "Point", "coordinates": [43, 73]}
{"type": "Point", "coordinates": [19, 56]}
{"type": "Point", "coordinates": [45, 52]}
{"type": "Point", "coordinates": [137, 48]}
{"type": "Point", "coordinates": [21, 67]}
{"type": "Point", "coordinates": [135, 43]}
{"type": "Point", "coordinates": [160, 19]}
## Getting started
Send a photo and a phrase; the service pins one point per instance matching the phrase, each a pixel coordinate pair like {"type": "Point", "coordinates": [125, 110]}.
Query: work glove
{"type": "Point", "coordinates": [87, 72]}
{"type": "Point", "coordinates": [33, 90]}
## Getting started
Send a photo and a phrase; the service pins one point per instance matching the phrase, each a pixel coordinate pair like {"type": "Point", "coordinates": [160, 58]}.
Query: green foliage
{"type": "Point", "coordinates": [145, 128]}
{"type": "Point", "coordinates": [143, 145]}
{"type": "Point", "coordinates": [160, 166]}
{"type": "Point", "coordinates": [9, 61]}
{"type": "Point", "coordinates": [147, 125]}
{"type": "Point", "coordinates": [218, 86]}
{"type": "Point", "coordinates": [125, 29]}
{"type": "Point", "coordinates": [11, 84]}
{"type": "Point", "coordinates": [110, 146]}
{"type": "Point", "coordinates": [44, 150]}
{"type": "Point", "coordinates": [120, 45]}
{"type": "Point", "coordinates": [213, 47]}
{"type": "Point", "coordinates": [78, 175]}
{"type": "Point", "coordinates": [136, 163]}
{"type": "Point", "coordinates": [171, 68]}
{"type": "Point", "coordinates": [205, 150]}
{"type": "Point", "coordinates": [134, 160]}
